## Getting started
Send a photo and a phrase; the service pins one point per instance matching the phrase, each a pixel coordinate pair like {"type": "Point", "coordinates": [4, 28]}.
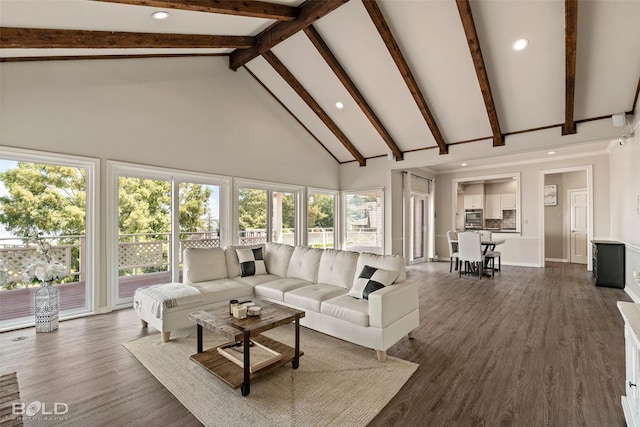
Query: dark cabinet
{"type": "Point", "coordinates": [608, 263]}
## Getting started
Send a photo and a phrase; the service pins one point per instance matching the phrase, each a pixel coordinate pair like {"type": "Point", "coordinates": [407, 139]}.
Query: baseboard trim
{"type": "Point", "coordinates": [557, 260]}
{"type": "Point", "coordinates": [633, 296]}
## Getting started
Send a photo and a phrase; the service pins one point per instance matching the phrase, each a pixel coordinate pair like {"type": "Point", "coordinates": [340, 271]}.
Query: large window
{"type": "Point", "coordinates": [321, 224]}
{"type": "Point", "coordinates": [364, 220]}
{"type": "Point", "coordinates": [47, 210]}
{"type": "Point", "coordinates": [267, 213]}
{"type": "Point", "coordinates": [160, 213]}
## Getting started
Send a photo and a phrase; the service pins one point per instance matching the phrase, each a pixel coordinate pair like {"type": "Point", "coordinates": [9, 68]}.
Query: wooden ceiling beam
{"type": "Point", "coordinates": [353, 90]}
{"type": "Point", "coordinates": [571, 40]}
{"type": "Point", "coordinates": [311, 134]}
{"type": "Point", "coordinates": [308, 13]}
{"type": "Point", "coordinates": [91, 57]}
{"type": "Point", "coordinates": [466, 16]}
{"type": "Point", "coordinates": [308, 99]}
{"type": "Point", "coordinates": [38, 38]}
{"type": "Point", "coordinates": [250, 8]}
{"type": "Point", "coordinates": [392, 46]}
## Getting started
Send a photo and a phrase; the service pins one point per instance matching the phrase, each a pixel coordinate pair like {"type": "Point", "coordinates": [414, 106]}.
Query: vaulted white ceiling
{"type": "Point", "coordinates": [527, 87]}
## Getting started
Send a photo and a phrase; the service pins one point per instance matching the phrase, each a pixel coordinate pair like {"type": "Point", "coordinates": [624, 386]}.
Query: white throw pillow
{"type": "Point", "coordinates": [251, 262]}
{"type": "Point", "coordinates": [370, 280]}
{"type": "Point", "coordinates": [204, 264]}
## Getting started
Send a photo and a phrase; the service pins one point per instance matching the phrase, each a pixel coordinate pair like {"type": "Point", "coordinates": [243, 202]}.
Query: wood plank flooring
{"type": "Point", "coordinates": [532, 347]}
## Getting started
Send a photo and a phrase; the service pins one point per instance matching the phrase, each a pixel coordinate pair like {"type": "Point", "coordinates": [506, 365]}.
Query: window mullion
{"type": "Point", "coordinates": [174, 247]}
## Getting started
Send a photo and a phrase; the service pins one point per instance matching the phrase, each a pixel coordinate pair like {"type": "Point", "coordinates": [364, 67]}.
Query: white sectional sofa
{"type": "Point", "coordinates": [320, 282]}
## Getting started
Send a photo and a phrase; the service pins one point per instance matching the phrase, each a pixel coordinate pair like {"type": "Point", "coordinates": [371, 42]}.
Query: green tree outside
{"type": "Point", "coordinates": [49, 198]}
{"type": "Point", "coordinates": [320, 211]}
{"type": "Point", "coordinates": [252, 209]}
{"type": "Point", "coordinates": [52, 200]}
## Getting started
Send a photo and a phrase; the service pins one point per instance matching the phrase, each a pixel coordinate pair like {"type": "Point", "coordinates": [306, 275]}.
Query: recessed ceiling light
{"type": "Point", "coordinates": [551, 152]}
{"type": "Point", "coordinates": [463, 164]}
{"type": "Point", "coordinates": [339, 105]}
{"type": "Point", "coordinates": [520, 44]}
{"type": "Point", "coordinates": [160, 15]}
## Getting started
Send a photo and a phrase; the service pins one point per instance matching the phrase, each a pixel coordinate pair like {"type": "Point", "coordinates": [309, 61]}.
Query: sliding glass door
{"type": "Point", "coordinates": [418, 228]}
{"type": "Point", "coordinates": [144, 229]}
{"type": "Point", "coordinates": [160, 213]}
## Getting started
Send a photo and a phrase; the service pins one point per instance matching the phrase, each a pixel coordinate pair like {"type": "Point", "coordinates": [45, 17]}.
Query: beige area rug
{"type": "Point", "coordinates": [337, 383]}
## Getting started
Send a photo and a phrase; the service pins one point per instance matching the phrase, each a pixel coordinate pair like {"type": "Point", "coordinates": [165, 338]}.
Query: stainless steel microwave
{"type": "Point", "coordinates": [473, 219]}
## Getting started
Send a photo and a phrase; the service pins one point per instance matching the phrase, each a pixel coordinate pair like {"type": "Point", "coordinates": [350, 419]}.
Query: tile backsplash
{"type": "Point", "coordinates": [508, 221]}
{"type": "Point", "coordinates": [493, 223]}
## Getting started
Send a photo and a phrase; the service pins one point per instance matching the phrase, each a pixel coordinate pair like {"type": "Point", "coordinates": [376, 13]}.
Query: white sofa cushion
{"type": "Point", "coordinates": [223, 290]}
{"type": "Point", "coordinates": [162, 299]}
{"type": "Point", "coordinates": [276, 289]}
{"type": "Point", "coordinates": [233, 264]}
{"type": "Point", "coordinates": [158, 298]}
{"type": "Point", "coordinates": [277, 257]}
{"type": "Point", "coordinates": [304, 264]}
{"type": "Point", "coordinates": [337, 268]}
{"type": "Point", "coordinates": [256, 280]}
{"type": "Point", "coordinates": [202, 264]}
{"type": "Point", "coordinates": [311, 297]}
{"type": "Point", "coordinates": [346, 308]}
{"type": "Point", "coordinates": [370, 280]}
{"type": "Point", "coordinates": [385, 262]}
{"type": "Point", "coordinates": [251, 262]}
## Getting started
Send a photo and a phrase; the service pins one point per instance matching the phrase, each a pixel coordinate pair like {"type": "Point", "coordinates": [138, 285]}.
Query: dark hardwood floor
{"type": "Point", "coordinates": [532, 347]}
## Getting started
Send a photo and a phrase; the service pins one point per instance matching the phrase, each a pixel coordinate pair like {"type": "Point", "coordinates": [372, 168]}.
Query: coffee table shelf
{"type": "Point", "coordinates": [233, 374]}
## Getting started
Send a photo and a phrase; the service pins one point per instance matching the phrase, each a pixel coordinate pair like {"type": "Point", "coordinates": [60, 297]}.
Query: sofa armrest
{"type": "Point", "coordinates": [392, 303]}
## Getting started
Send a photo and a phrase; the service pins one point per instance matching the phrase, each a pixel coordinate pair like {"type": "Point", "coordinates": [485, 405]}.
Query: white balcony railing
{"type": "Point", "coordinates": [151, 250]}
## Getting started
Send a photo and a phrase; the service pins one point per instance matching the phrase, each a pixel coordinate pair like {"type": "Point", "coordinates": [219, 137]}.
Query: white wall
{"type": "Point", "coordinates": [184, 113]}
{"type": "Point", "coordinates": [625, 205]}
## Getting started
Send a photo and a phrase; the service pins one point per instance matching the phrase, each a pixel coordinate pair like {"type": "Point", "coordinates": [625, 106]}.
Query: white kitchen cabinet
{"type": "Point", "coordinates": [508, 201]}
{"type": "Point", "coordinates": [631, 400]}
{"type": "Point", "coordinates": [493, 206]}
{"type": "Point", "coordinates": [473, 201]}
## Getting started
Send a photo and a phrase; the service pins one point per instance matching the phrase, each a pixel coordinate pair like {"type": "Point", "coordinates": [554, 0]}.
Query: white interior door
{"type": "Point", "coordinates": [578, 236]}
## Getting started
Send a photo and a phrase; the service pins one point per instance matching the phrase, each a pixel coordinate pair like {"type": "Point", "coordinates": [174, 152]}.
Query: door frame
{"type": "Point", "coordinates": [589, 170]}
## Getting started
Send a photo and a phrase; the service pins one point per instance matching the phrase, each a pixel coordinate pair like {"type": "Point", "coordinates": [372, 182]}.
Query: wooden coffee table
{"type": "Point", "coordinates": [244, 331]}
